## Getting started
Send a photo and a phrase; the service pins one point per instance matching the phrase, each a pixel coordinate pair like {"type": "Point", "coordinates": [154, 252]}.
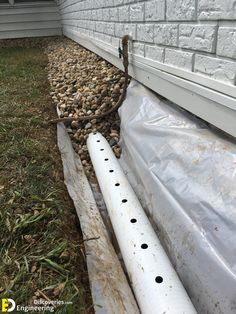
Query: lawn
{"type": "Point", "coordinates": [41, 247]}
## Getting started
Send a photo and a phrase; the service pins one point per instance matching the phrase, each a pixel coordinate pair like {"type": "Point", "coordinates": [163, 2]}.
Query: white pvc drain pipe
{"type": "Point", "coordinates": [156, 285]}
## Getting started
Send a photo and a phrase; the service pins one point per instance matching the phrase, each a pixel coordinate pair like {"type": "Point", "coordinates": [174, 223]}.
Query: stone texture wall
{"type": "Point", "coordinates": [194, 35]}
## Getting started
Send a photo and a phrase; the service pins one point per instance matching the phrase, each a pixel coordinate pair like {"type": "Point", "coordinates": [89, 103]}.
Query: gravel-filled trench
{"type": "Point", "coordinates": [84, 84]}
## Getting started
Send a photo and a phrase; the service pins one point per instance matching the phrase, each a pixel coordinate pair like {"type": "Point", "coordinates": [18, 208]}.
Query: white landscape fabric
{"type": "Point", "coordinates": [185, 175]}
{"type": "Point", "coordinates": [110, 290]}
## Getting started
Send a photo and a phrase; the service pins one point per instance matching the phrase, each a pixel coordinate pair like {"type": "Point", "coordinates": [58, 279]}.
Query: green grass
{"type": "Point", "coordinates": [40, 243]}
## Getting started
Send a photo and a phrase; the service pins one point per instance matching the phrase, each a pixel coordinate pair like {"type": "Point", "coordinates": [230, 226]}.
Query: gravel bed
{"type": "Point", "coordinates": [82, 84]}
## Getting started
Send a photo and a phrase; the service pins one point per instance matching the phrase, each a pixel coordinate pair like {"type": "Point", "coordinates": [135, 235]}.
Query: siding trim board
{"type": "Point", "coordinates": [29, 25]}
{"type": "Point", "coordinates": [27, 4]}
{"type": "Point", "coordinates": [30, 33]}
{"type": "Point", "coordinates": [28, 10]}
{"type": "Point", "coordinates": [229, 90]}
{"type": "Point", "coordinates": [34, 17]}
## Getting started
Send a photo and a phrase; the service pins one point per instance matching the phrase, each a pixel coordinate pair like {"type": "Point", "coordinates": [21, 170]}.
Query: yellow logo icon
{"type": "Point", "coordinates": [8, 305]}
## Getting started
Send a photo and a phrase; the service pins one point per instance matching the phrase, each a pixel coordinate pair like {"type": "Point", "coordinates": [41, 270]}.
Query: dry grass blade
{"type": "Point", "coordinates": [37, 220]}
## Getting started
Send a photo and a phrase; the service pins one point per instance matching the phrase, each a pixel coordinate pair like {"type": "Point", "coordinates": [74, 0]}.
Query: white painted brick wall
{"type": "Point", "coordinates": [138, 49]}
{"type": "Point", "coordinates": [109, 28]}
{"type": "Point", "coordinates": [145, 32]}
{"type": "Point", "coordinates": [113, 13]}
{"type": "Point", "coordinates": [216, 68]}
{"type": "Point", "coordinates": [154, 53]}
{"type": "Point", "coordinates": [166, 34]}
{"type": "Point", "coordinates": [216, 9]}
{"type": "Point", "coordinates": [180, 10]}
{"type": "Point", "coordinates": [119, 29]}
{"type": "Point", "coordinates": [226, 44]}
{"type": "Point", "coordinates": [137, 12]}
{"type": "Point", "coordinates": [155, 10]}
{"type": "Point", "coordinates": [130, 29]}
{"type": "Point", "coordinates": [197, 37]}
{"type": "Point", "coordinates": [192, 35]}
{"type": "Point", "coordinates": [124, 14]}
{"type": "Point", "coordinates": [179, 59]}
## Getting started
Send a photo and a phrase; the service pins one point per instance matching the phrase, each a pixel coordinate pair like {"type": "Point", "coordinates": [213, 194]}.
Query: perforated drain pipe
{"type": "Point", "coordinates": [155, 283]}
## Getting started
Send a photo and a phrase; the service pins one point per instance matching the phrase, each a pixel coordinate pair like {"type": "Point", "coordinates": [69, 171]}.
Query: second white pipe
{"type": "Point", "coordinates": [156, 285]}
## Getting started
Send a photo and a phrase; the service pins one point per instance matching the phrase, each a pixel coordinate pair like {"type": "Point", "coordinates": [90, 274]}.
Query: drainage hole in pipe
{"type": "Point", "coordinates": [111, 170]}
{"type": "Point", "coordinates": [101, 149]}
{"type": "Point", "coordinates": [159, 279]}
{"type": "Point", "coordinates": [117, 184]}
{"type": "Point", "coordinates": [98, 141]}
{"type": "Point", "coordinates": [144, 246]}
{"type": "Point", "coordinates": [106, 159]}
{"type": "Point", "coordinates": [133, 220]}
{"type": "Point", "coordinates": [124, 201]}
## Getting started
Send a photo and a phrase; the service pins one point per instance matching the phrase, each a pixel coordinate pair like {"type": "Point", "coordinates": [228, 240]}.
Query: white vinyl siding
{"type": "Point", "coordinates": [29, 19]}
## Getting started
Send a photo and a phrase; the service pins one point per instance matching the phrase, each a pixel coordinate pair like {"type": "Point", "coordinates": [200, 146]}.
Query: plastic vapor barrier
{"type": "Point", "coordinates": [185, 176]}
